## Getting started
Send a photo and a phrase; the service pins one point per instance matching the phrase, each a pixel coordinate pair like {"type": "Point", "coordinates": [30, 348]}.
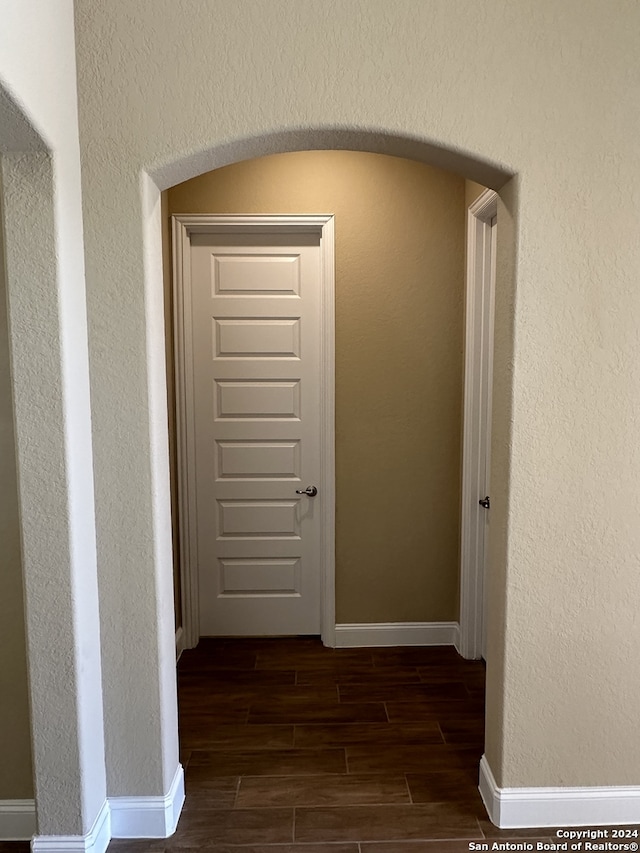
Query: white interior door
{"type": "Point", "coordinates": [255, 324]}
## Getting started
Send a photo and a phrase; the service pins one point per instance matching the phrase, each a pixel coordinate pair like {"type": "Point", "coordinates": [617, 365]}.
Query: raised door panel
{"type": "Point", "coordinates": [256, 337]}
{"type": "Point", "coordinates": [258, 460]}
{"type": "Point", "coordinates": [257, 400]}
{"type": "Point", "coordinates": [236, 273]}
{"type": "Point", "coordinates": [255, 320]}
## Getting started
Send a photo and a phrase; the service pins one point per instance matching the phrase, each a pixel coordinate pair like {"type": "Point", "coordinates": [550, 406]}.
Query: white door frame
{"type": "Point", "coordinates": [183, 227]}
{"type": "Point", "coordinates": [477, 418]}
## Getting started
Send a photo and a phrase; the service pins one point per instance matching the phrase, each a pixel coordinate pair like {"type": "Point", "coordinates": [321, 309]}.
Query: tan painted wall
{"type": "Point", "coordinates": [174, 88]}
{"type": "Point", "coordinates": [15, 734]}
{"type": "Point", "coordinates": [472, 191]}
{"type": "Point", "coordinates": [399, 287]}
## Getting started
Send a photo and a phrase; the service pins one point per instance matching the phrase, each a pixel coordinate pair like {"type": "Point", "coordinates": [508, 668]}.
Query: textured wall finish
{"type": "Point", "coordinates": [399, 284]}
{"type": "Point", "coordinates": [15, 759]}
{"type": "Point", "coordinates": [177, 87]}
{"type": "Point", "coordinates": [47, 332]}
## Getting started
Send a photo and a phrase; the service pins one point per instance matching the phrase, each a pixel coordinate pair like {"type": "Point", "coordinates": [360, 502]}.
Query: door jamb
{"type": "Point", "coordinates": [477, 418]}
{"type": "Point", "coordinates": [183, 226]}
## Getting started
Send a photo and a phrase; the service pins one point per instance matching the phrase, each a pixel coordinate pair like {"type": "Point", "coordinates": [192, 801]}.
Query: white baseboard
{"type": "Point", "coordinates": [95, 841]}
{"type": "Point", "coordinates": [517, 808]}
{"type": "Point", "coordinates": [354, 635]}
{"type": "Point", "coordinates": [180, 642]}
{"type": "Point", "coordinates": [148, 817]}
{"type": "Point", "coordinates": [120, 817]}
{"type": "Point", "coordinates": [17, 820]}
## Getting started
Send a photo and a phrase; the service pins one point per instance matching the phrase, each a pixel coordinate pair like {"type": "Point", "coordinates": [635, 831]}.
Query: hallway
{"type": "Point", "coordinates": [290, 747]}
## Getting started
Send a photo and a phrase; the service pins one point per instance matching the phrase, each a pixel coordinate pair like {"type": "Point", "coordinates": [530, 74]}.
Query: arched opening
{"type": "Point", "coordinates": [478, 170]}
{"type": "Point", "coordinates": [470, 166]}
{"type": "Point", "coordinates": [399, 340]}
{"type": "Point", "coordinates": [481, 172]}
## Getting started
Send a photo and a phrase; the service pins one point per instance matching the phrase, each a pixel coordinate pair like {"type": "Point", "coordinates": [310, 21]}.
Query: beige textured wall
{"type": "Point", "coordinates": [174, 88]}
{"type": "Point", "coordinates": [15, 739]}
{"type": "Point", "coordinates": [44, 256]}
{"type": "Point", "coordinates": [399, 287]}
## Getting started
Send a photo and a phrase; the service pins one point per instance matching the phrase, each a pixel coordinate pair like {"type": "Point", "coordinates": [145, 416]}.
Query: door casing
{"type": "Point", "coordinates": [478, 381]}
{"type": "Point", "coordinates": [183, 227]}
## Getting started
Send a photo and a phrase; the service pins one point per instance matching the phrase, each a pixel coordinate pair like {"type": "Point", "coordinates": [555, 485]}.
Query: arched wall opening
{"type": "Point", "coordinates": [399, 342]}
{"type": "Point", "coordinates": [473, 168]}
{"type": "Point", "coordinates": [479, 169]}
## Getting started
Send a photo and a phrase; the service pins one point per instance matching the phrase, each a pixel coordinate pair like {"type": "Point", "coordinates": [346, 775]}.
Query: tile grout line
{"type": "Point", "coordinates": [480, 830]}
{"type": "Point", "coordinates": [406, 782]}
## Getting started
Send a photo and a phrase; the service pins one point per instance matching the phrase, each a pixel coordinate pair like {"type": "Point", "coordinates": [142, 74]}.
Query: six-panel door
{"type": "Point", "coordinates": [256, 375]}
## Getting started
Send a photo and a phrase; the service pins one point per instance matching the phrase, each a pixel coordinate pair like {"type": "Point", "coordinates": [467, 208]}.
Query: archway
{"type": "Point", "coordinates": [399, 338]}
{"type": "Point", "coordinates": [166, 176]}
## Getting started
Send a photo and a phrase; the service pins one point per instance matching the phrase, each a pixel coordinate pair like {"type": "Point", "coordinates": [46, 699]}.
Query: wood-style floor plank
{"type": "Point", "coordinates": [410, 759]}
{"type": "Point", "coordinates": [263, 762]}
{"type": "Point", "coordinates": [316, 736]}
{"type": "Point", "coordinates": [203, 827]}
{"type": "Point", "coordinates": [309, 711]}
{"type": "Point", "coordinates": [385, 823]}
{"type": "Point", "coordinates": [328, 790]}
{"type": "Point", "coordinates": [444, 786]}
{"type": "Point", "coordinates": [235, 736]}
{"type": "Point", "coordinates": [392, 692]}
{"type": "Point", "coordinates": [433, 709]}
{"type": "Point", "coordinates": [361, 673]}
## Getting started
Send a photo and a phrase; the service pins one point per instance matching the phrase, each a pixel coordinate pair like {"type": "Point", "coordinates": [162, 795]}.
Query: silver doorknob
{"type": "Point", "coordinates": [310, 490]}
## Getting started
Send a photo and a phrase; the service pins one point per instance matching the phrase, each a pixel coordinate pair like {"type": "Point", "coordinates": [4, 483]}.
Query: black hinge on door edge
{"type": "Point", "coordinates": [485, 502]}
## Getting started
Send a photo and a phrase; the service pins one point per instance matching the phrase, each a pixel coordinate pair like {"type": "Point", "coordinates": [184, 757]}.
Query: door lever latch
{"type": "Point", "coordinates": [485, 502]}
{"type": "Point", "coordinates": [310, 490]}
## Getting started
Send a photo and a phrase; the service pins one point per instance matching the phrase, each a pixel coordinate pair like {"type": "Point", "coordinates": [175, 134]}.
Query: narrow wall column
{"type": "Point", "coordinates": [134, 530]}
{"type": "Point", "coordinates": [47, 327]}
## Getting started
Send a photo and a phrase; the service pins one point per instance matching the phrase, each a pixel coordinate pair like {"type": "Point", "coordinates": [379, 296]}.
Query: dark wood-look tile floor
{"type": "Point", "coordinates": [289, 747]}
